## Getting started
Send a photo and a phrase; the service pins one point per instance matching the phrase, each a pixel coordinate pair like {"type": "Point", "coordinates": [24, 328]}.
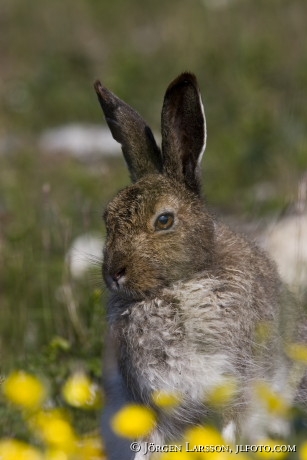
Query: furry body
{"type": "Point", "coordinates": [199, 332]}
{"type": "Point", "coordinates": [188, 297]}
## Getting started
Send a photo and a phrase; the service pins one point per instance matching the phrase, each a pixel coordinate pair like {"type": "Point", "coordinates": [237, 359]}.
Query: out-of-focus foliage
{"type": "Point", "coordinates": [50, 428]}
{"type": "Point", "coordinates": [52, 433]}
{"type": "Point", "coordinates": [250, 58]}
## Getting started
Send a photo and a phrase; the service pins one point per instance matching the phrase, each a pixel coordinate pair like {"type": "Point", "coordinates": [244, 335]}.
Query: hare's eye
{"type": "Point", "coordinates": [164, 221]}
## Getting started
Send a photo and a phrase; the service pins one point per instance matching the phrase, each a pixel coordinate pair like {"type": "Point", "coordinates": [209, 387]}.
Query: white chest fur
{"type": "Point", "coordinates": [194, 337]}
{"type": "Point", "coordinates": [180, 342]}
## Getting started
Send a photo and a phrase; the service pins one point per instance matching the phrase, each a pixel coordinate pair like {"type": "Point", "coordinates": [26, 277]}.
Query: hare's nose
{"type": "Point", "coordinates": [119, 276]}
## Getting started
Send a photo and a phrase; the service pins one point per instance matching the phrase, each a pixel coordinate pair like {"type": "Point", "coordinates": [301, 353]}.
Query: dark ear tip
{"type": "Point", "coordinates": [98, 87]}
{"type": "Point", "coordinates": [184, 79]}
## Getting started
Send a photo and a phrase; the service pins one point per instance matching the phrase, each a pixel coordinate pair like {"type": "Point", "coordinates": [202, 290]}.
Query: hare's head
{"type": "Point", "coordinates": [158, 231]}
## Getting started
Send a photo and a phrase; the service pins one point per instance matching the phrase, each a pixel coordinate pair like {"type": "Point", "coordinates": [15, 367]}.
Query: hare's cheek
{"type": "Point", "coordinates": [146, 273]}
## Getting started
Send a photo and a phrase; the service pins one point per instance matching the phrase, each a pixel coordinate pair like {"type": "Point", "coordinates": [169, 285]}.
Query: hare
{"type": "Point", "coordinates": [188, 296]}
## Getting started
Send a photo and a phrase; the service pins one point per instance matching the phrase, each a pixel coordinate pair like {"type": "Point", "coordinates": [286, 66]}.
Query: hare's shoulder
{"type": "Point", "coordinates": [238, 250]}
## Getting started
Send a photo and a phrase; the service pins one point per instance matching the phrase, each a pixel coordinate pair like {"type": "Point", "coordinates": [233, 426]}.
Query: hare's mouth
{"type": "Point", "coordinates": [129, 282]}
{"type": "Point", "coordinates": [132, 294]}
{"type": "Point", "coordinates": [139, 289]}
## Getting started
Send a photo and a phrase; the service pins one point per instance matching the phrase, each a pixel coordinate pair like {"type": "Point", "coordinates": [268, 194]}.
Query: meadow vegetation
{"type": "Point", "coordinates": [251, 62]}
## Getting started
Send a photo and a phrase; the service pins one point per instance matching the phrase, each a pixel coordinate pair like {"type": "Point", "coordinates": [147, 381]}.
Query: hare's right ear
{"type": "Point", "coordinates": [183, 131]}
{"type": "Point", "coordinates": [139, 147]}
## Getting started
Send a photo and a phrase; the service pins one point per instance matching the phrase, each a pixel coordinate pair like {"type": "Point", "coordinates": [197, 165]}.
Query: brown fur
{"type": "Point", "coordinates": [187, 303]}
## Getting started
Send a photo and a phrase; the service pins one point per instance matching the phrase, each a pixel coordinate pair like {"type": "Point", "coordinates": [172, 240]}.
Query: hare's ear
{"type": "Point", "coordinates": [139, 147]}
{"type": "Point", "coordinates": [183, 131]}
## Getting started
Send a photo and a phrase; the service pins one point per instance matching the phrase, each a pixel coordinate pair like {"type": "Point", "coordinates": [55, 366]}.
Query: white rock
{"type": "Point", "coordinates": [79, 140]}
{"type": "Point", "coordinates": [286, 241]}
{"type": "Point", "coordinates": [84, 253]}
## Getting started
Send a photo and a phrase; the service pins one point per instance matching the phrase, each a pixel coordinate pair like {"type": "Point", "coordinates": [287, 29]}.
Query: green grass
{"type": "Point", "coordinates": [45, 203]}
{"type": "Point", "coordinates": [250, 59]}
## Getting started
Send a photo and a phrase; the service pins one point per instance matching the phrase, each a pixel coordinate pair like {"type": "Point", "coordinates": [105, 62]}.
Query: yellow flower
{"type": "Point", "coordinates": [80, 391]}
{"type": "Point", "coordinates": [303, 451]}
{"type": "Point", "coordinates": [274, 402]}
{"type": "Point", "coordinates": [224, 393]}
{"type": "Point", "coordinates": [133, 421]}
{"type": "Point", "coordinates": [11, 449]}
{"type": "Point", "coordinates": [297, 352]}
{"type": "Point", "coordinates": [24, 390]}
{"type": "Point", "coordinates": [91, 448]}
{"type": "Point", "coordinates": [54, 429]}
{"type": "Point", "coordinates": [56, 454]}
{"type": "Point", "coordinates": [183, 455]}
{"type": "Point", "coordinates": [166, 399]}
{"type": "Point", "coordinates": [270, 452]}
{"type": "Point", "coordinates": [59, 433]}
{"type": "Point", "coordinates": [206, 436]}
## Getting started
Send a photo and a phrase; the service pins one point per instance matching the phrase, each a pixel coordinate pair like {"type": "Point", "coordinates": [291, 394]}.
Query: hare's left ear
{"type": "Point", "coordinates": [183, 131]}
{"type": "Point", "coordinates": [139, 147]}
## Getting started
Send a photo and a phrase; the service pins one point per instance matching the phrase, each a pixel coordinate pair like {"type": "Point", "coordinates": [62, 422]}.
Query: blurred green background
{"type": "Point", "coordinates": [250, 58]}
